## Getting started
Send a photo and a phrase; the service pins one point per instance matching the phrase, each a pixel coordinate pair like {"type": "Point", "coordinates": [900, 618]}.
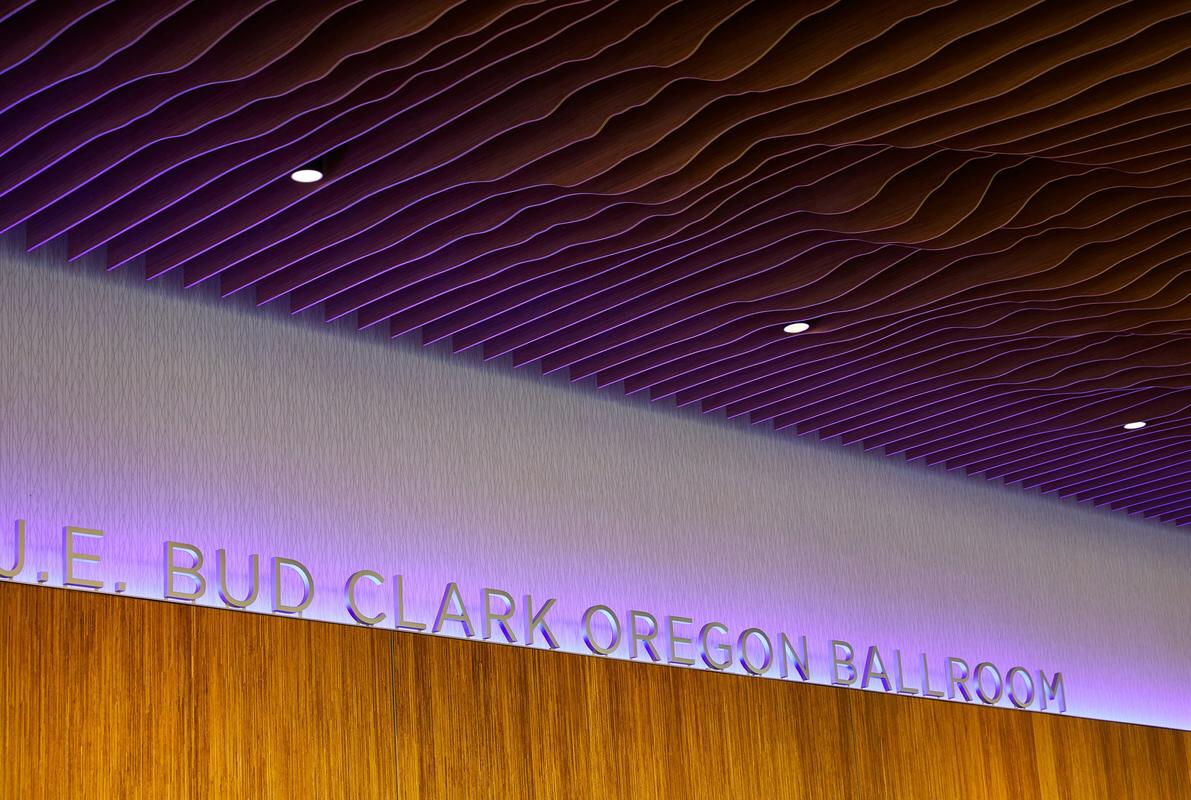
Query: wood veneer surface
{"type": "Point", "coordinates": [480, 721]}
{"type": "Point", "coordinates": [106, 697]}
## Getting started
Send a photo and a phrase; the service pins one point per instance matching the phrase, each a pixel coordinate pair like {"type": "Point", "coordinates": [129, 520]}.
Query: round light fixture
{"type": "Point", "coordinates": [1132, 426]}
{"type": "Point", "coordinates": [797, 327]}
{"type": "Point", "coordinates": [307, 175]}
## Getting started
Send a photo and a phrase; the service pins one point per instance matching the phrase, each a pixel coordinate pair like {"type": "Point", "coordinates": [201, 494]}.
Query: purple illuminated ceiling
{"type": "Point", "coordinates": [981, 208]}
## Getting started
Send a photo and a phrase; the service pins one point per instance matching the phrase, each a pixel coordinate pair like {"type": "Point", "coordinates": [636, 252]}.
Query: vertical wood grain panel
{"type": "Point", "coordinates": [927, 748]}
{"type": "Point", "coordinates": [107, 697]}
{"type": "Point", "coordinates": [111, 697]}
{"type": "Point", "coordinates": [1078, 758]}
{"type": "Point", "coordinates": [480, 721]}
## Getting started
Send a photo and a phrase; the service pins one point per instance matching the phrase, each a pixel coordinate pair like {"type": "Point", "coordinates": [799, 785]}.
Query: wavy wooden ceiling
{"type": "Point", "coordinates": [982, 207]}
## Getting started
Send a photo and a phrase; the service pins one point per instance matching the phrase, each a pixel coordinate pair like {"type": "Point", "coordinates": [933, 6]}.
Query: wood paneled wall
{"type": "Point", "coordinates": [108, 697]}
{"type": "Point", "coordinates": [111, 697]}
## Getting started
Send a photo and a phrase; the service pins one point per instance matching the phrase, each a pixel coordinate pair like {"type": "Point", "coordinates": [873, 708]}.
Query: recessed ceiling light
{"type": "Point", "coordinates": [307, 175]}
{"type": "Point", "coordinates": [797, 327]}
{"type": "Point", "coordinates": [1132, 426]}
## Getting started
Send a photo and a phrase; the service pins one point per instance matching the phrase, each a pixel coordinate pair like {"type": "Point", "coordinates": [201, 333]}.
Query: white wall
{"type": "Point", "coordinates": [154, 414]}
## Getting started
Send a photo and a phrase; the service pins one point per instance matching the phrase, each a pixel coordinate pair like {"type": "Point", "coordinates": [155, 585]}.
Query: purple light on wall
{"type": "Point", "coordinates": [157, 418]}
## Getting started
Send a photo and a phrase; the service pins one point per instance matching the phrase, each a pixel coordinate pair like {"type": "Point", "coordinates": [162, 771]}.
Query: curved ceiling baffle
{"type": "Point", "coordinates": [981, 209]}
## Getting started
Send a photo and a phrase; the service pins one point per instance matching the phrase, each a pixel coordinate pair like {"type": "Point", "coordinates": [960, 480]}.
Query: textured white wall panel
{"type": "Point", "coordinates": [154, 415]}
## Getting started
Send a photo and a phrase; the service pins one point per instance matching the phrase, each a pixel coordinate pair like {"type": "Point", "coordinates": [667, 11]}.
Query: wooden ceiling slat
{"type": "Point", "coordinates": [982, 208]}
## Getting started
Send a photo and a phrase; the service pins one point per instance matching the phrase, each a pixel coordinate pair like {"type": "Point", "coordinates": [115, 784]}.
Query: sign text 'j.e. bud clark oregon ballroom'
{"type": "Point", "coordinates": [286, 586]}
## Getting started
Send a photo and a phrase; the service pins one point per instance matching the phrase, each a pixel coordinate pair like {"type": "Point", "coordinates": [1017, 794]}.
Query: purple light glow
{"type": "Point", "coordinates": [155, 418]}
